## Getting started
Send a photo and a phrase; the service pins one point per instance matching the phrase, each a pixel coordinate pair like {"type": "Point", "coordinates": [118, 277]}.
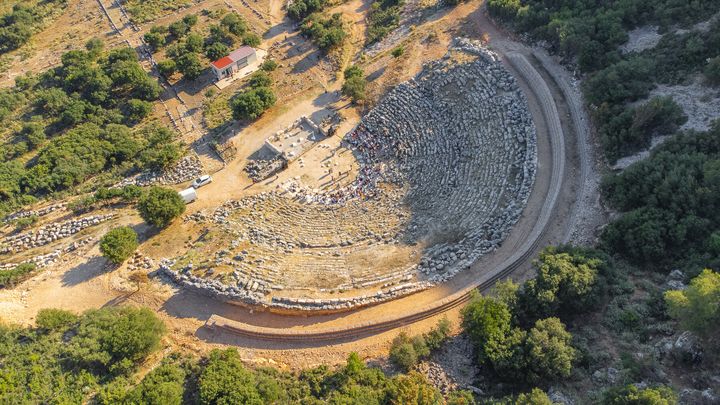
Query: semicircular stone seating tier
{"type": "Point", "coordinates": [447, 162]}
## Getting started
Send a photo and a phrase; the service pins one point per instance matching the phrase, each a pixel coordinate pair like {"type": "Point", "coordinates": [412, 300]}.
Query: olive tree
{"type": "Point", "coordinates": [119, 244]}
{"type": "Point", "coordinates": [160, 206]}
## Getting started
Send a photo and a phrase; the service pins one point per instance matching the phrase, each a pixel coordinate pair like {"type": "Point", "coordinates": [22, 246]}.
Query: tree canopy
{"type": "Point", "coordinates": [697, 307]}
{"type": "Point", "coordinates": [160, 206]}
{"type": "Point", "coordinates": [119, 244]}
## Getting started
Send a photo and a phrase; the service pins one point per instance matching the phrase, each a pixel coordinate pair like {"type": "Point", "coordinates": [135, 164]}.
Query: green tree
{"type": "Point", "coordinates": [234, 23]}
{"type": "Point", "coordinates": [549, 349]}
{"type": "Point", "coordinates": [564, 282]}
{"type": "Point", "coordinates": [160, 206]}
{"type": "Point", "coordinates": [189, 65]}
{"type": "Point", "coordinates": [155, 38]}
{"type": "Point", "coordinates": [252, 103]}
{"type": "Point", "coordinates": [178, 29]}
{"type": "Point", "coordinates": [119, 244]}
{"type": "Point", "coordinates": [698, 306]}
{"type": "Point", "coordinates": [194, 42]}
{"type": "Point", "coordinates": [402, 352]}
{"type": "Point", "coordinates": [216, 50]}
{"type": "Point", "coordinates": [354, 87]}
{"type": "Point", "coordinates": [499, 344]}
{"type": "Point", "coordinates": [224, 380]}
{"type": "Point", "coordinates": [167, 67]}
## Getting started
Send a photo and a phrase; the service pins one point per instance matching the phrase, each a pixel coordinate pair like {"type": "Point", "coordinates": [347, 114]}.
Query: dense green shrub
{"type": "Point", "coordinates": [164, 385]}
{"type": "Point", "coordinates": [156, 38]}
{"type": "Point", "coordinates": [129, 193]}
{"type": "Point", "coordinates": [48, 364]}
{"type": "Point", "coordinates": [406, 351]}
{"type": "Point", "coordinates": [252, 103]}
{"type": "Point", "coordinates": [569, 281]}
{"type": "Point", "coordinates": [300, 9]}
{"type": "Point", "coordinates": [55, 319]}
{"type": "Point", "coordinates": [137, 110]}
{"type": "Point", "coordinates": [160, 206]}
{"type": "Point", "coordinates": [167, 67]}
{"type": "Point", "coordinates": [402, 352]}
{"type": "Point", "coordinates": [162, 150]}
{"type": "Point", "coordinates": [550, 354]}
{"type": "Point", "coordinates": [189, 65]}
{"type": "Point", "coordinates": [499, 344]}
{"type": "Point", "coordinates": [326, 33]}
{"type": "Point", "coordinates": [535, 397]}
{"type": "Point", "coordinates": [234, 23]}
{"type": "Point", "coordinates": [178, 29]}
{"type": "Point", "coordinates": [678, 56]}
{"type": "Point", "coordinates": [384, 18]}
{"type": "Point", "coordinates": [119, 244]}
{"type": "Point", "coordinates": [10, 278]}
{"type": "Point", "coordinates": [632, 395]}
{"type": "Point", "coordinates": [76, 111]}
{"type": "Point", "coordinates": [26, 18]}
{"type": "Point", "coordinates": [592, 31]}
{"type": "Point", "coordinates": [194, 42]}
{"type": "Point", "coordinates": [115, 339]}
{"type": "Point", "coordinates": [627, 132]}
{"type": "Point", "coordinates": [68, 362]}
{"type": "Point", "coordinates": [628, 80]}
{"type": "Point", "coordinates": [224, 380]}
{"type": "Point", "coordinates": [25, 222]}
{"type": "Point", "coordinates": [216, 50]}
{"type": "Point", "coordinates": [669, 201]}
{"type": "Point", "coordinates": [259, 79]}
{"type": "Point", "coordinates": [269, 65]}
{"type": "Point", "coordinates": [251, 39]}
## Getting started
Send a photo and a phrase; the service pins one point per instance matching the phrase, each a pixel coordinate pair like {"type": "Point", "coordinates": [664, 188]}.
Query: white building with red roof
{"type": "Point", "coordinates": [227, 66]}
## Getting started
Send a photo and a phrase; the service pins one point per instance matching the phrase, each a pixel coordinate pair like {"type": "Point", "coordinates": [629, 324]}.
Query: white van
{"type": "Point", "coordinates": [188, 195]}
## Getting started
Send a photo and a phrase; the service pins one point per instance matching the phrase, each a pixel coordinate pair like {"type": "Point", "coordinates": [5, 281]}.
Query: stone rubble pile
{"type": "Point", "coordinates": [259, 170]}
{"type": "Point", "coordinates": [50, 258]}
{"type": "Point", "coordinates": [447, 163]}
{"type": "Point", "coordinates": [50, 233]}
{"type": "Point", "coordinates": [436, 376]}
{"type": "Point", "coordinates": [38, 212]}
{"type": "Point", "coordinates": [138, 262]}
{"type": "Point", "coordinates": [188, 168]}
